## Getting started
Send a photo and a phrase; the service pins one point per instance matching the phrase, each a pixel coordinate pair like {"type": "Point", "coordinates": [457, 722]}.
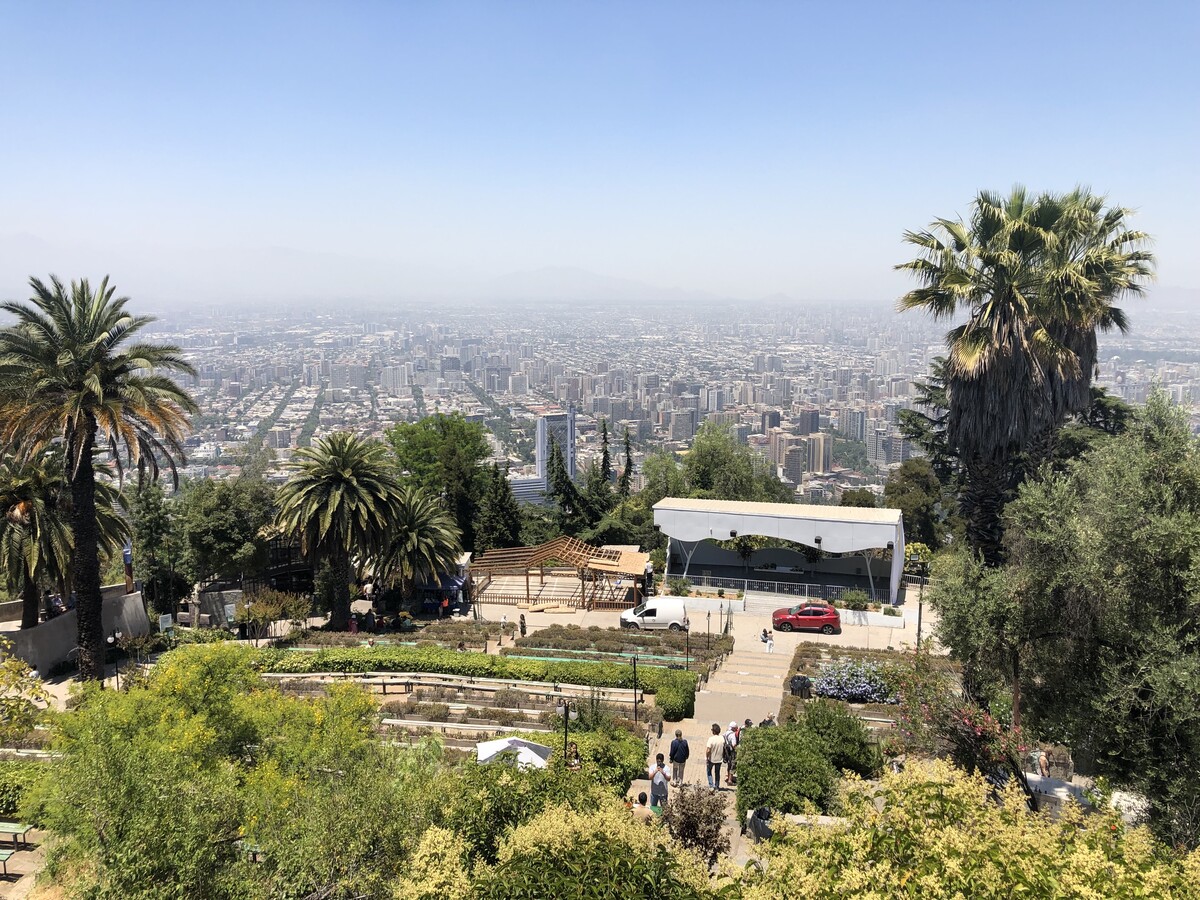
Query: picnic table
{"type": "Point", "coordinates": [18, 831]}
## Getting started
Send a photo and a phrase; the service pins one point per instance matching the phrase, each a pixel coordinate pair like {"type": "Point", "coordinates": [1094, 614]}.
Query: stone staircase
{"type": "Point", "coordinates": [748, 685]}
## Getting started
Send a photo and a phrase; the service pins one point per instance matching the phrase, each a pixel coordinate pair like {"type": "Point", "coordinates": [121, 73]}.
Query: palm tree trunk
{"type": "Point", "coordinates": [86, 557]}
{"type": "Point", "coordinates": [985, 491]}
{"type": "Point", "coordinates": [339, 615]}
{"type": "Point", "coordinates": [30, 610]}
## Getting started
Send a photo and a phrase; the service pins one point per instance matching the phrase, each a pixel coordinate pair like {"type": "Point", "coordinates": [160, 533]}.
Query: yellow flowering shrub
{"type": "Point", "coordinates": [437, 869]}
{"type": "Point", "coordinates": [610, 852]}
{"type": "Point", "coordinates": [935, 832]}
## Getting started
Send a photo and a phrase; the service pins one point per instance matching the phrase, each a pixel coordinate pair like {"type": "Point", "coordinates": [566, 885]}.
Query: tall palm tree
{"type": "Point", "coordinates": [339, 500]}
{"type": "Point", "coordinates": [423, 541]}
{"type": "Point", "coordinates": [1037, 278]}
{"type": "Point", "coordinates": [69, 372]}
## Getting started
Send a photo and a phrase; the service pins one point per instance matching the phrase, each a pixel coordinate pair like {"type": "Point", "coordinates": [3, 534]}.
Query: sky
{"type": "Point", "coordinates": [272, 151]}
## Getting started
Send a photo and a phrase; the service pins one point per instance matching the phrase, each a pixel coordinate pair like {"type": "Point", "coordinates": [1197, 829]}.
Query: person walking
{"type": "Point", "coordinates": [678, 755]}
{"type": "Point", "coordinates": [714, 755]}
{"type": "Point", "coordinates": [730, 754]}
{"type": "Point", "coordinates": [521, 624]}
{"type": "Point", "coordinates": [660, 778]}
{"type": "Point", "coordinates": [770, 643]}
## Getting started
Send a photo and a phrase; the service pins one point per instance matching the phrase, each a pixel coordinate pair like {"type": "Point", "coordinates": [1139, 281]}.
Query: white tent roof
{"type": "Point", "coordinates": [842, 529]}
{"type": "Point", "coordinates": [528, 753]}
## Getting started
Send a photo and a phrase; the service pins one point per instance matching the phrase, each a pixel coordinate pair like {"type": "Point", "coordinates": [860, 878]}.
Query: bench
{"type": "Point", "coordinates": [18, 832]}
{"type": "Point", "coordinates": [5, 856]}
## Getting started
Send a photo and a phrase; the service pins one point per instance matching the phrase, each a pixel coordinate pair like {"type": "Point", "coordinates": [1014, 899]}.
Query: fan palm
{"type": "Point", "coordinates": [36, 542]}
{"type": "Point", "coordinates": [69, 372]}
{"type": "Point", "coordinates": [35, 537]}
{"type": "Point", "coordinates": [339, 499]}
{"type": "Point", "coordinates": [1037, 278]}
{"type": "Point", "coordinates": [423, 541]}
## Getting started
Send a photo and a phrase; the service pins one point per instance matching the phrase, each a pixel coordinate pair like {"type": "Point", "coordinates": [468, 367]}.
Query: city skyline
{"type": "Point", "coordinates": [471, 152]}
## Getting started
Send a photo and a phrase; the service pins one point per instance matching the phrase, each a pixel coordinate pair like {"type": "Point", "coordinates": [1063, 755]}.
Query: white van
{"type": "Point", "coordinates": [657, 612]}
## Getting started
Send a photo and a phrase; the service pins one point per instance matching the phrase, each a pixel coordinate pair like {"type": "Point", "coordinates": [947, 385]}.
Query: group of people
{"type": "Point", "coordinates": [55, 606]}
{"type": "Point", "coordinates": [720, 750]}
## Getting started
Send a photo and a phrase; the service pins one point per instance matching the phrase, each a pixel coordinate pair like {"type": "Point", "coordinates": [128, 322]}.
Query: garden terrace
{"type": "Point", "coordinates": [449, 633]}
{"type": "Point", "coordinates": [675, 691]}
{"type": "Point", "coordinates": [880, 668]}
{"type": "Point", "coordinates": [702, 653]}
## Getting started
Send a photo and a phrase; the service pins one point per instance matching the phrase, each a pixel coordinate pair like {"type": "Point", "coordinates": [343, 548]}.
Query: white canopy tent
{"type": "Point", "coordinates": [526, 753]}
{"type": "Point", "coordinates": [836, 529]}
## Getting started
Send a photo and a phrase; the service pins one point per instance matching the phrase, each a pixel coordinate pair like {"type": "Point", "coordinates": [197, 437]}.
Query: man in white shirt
{"type": "Point", "coordinates": [660, 778]}
{"type": "Point", "coordinates": [714, 755]}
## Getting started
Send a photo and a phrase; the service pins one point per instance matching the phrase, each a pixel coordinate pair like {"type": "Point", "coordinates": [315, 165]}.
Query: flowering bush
{"type": "Point", "coordinates": [857, 682]}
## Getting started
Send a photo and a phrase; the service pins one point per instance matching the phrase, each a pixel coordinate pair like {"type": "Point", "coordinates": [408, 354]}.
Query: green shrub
{"type": "Point", "coordinates": [679, 587]}
{"type": "Point", "coordinates": [847, 742]}
{"type": "Point", "coordinates": [855, 600]}
{"type": "Point", "coordinates": [675, 690]}
{"type": "Point", "coordinates": [784, 768]}
{"type": "Point", "coordinates": [16, 777]}
{"type": "Point", "coordinates": [891, 611]}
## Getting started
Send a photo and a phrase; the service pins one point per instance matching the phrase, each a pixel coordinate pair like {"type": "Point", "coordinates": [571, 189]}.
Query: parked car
{"type": "Point", "coordinates": [659, 612]}
{"type": "Point", "coordinates": [807, 617]}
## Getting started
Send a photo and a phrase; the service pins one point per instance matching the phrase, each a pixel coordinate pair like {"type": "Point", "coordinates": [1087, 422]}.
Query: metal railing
{"type": "Point", "coordinates": [786, 588]}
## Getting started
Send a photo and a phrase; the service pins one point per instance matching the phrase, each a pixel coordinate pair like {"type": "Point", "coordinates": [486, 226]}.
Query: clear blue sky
{"type": "Point", "coordinates": [737, 148]}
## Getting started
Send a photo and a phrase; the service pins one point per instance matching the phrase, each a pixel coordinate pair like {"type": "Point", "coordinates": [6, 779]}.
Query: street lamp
{"type": "Point", "coordinates": [635, 694]}
{"type": "Point", "coordinates": [569, 713]}
{"type": "Point", "coordinates": [921, 568]}
{"type": "Point", "coordinates": [114, 641]}
{"type": "Point", "coordinates": [708, 630]}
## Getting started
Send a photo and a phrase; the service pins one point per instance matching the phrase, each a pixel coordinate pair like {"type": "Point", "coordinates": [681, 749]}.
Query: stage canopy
{"type": "Point", "coordinates": [835, 529]}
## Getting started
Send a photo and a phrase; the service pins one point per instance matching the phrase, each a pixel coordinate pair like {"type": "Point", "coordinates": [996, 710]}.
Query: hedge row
{"type": "Point", "coordinates": [16, 777]}
{"type": "Point", "coordinates": [622, 640]}
{"type": "Point", "coordinates": [674, 690]}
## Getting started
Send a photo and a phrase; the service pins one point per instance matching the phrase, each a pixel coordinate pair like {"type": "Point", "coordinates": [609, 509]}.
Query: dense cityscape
{"type": "Point", "coordinates": [815, 390]}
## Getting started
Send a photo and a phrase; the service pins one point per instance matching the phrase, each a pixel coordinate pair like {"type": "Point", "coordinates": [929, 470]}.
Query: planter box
{"type": "Point", "coordinates": [864, 617]}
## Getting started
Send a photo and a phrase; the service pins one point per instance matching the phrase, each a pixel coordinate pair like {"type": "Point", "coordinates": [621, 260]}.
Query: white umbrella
{"type": "Point", "coordinates": [525, 752]}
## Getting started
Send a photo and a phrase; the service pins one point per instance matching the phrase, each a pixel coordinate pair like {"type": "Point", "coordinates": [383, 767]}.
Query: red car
{"type": "Point", "coordinates": [807, 617]}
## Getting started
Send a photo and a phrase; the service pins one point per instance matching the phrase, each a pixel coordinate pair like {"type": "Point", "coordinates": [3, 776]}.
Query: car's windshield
{"type": "Point", "coordinates": [639, 610]}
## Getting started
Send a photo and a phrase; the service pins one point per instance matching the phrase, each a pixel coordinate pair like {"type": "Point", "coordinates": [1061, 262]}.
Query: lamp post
{"type": "Point", "coordinates": [114, 641]}
{"type": "Point", "coordinates": [708, 630]}
{"type": "Point", "coordinates": [569, 712]}
{"type": "Point", "coordinates": [635, 694]}
{"type": "Point", "coordinates": [921, 568]}
{"type": "Point", "coordinates": [687, 644]}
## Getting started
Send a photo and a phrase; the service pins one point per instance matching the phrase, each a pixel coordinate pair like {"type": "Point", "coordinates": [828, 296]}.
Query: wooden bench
{"type": "Point", "coordinates": [18, 832]}
{"type": "Point", "coordinates": [5, 856]}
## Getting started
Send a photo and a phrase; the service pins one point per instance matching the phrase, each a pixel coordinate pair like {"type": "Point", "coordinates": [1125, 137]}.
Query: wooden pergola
{"type": "Point", "coordinates": [599, 569]}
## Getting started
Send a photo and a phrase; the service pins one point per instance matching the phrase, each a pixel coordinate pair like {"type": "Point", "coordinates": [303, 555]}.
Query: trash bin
{"type": "Point", "coordinates": [805, 688]}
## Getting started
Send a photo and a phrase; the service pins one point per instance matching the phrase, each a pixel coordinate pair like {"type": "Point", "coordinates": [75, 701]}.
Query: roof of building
{"type": "Point", "coordinates": [783, 510]}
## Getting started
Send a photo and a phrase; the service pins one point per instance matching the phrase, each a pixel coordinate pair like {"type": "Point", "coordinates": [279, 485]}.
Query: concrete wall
{"type": "Point", "coordinates": [51, 642]}
{"type": "Point", "coordinates": [11, 611]}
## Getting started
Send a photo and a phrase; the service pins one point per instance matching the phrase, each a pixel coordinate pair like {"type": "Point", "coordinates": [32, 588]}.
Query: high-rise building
{"type": "Point", "coordinates": [820, 453]}
{"type": "Point", "coordinates": [854, 424]}
{"type": "Point", "coordinates": [683, 424]}
{"type": "Point", "coordinates": [770, 419]}
{"type": "Point", "coordinates": [795, 462]}
{"type": "Point", "coordinates": [808, 420]}
{"type": "Point", "coordinates": [562, 427]}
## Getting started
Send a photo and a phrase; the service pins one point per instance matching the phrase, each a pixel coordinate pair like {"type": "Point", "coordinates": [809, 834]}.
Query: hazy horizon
{"type": "Point", "coordinates": [640, 153]}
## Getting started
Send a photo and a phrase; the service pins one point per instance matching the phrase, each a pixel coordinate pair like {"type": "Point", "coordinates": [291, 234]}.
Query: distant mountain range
{"type": "Point", "coordinates": [166, 278]}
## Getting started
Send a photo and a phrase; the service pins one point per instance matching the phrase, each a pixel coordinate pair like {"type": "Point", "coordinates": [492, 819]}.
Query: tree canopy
{"type": "Point", "coordinates": [443, 454]}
